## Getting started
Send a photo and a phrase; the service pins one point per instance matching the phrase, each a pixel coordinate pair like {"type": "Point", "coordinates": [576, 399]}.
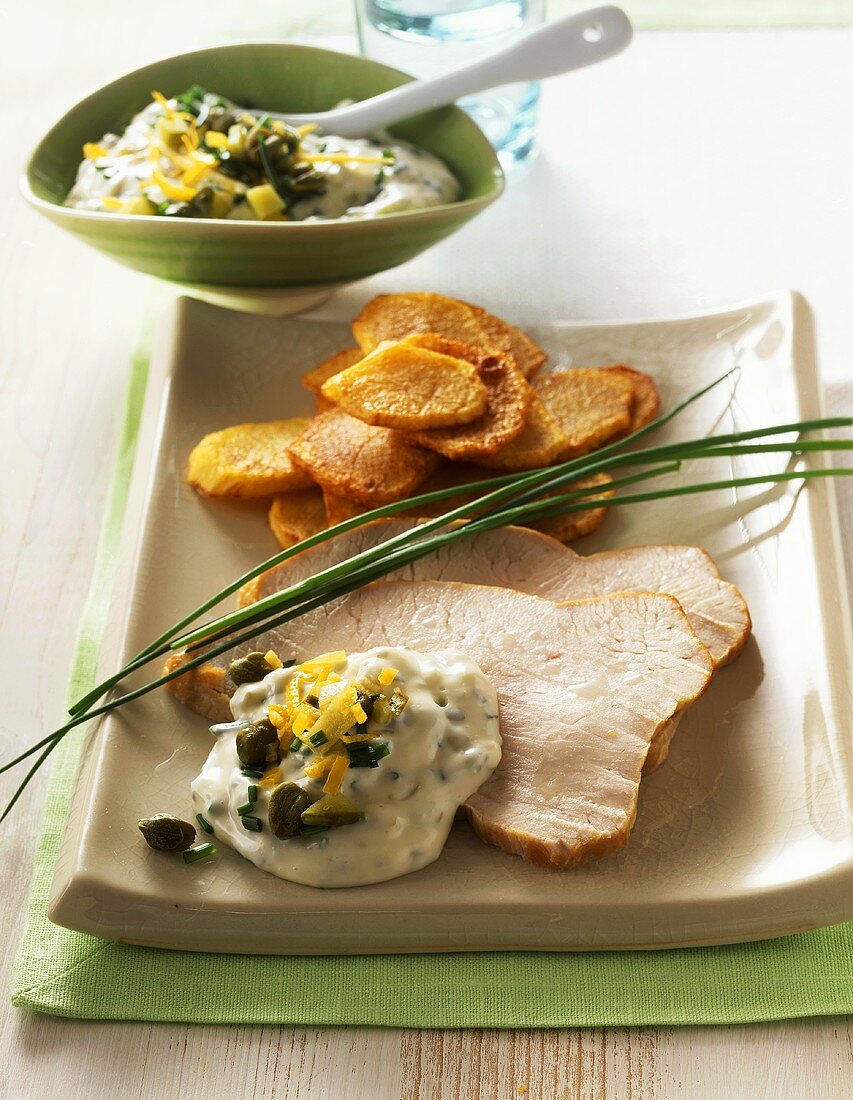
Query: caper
{"type": "Point", "coordinates": [306, 182]}
{"type": "Point", "coordinates": [331, 811]}
{"type": "Point", "coordinates": [165, 833]}
{"type": "Point", "coordinates": [249, 669]}
{"type": "Point", "coordinates": [221, 119]}
{"type": "Point", "coordinates": [287, 803]}
{"type": "Point", "coordinates": [257, 743]}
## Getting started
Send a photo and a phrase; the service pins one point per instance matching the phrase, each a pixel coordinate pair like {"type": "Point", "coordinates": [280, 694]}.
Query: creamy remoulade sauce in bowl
{"type": "Point", "coordinates": [199, 156]}
{"type": "Point", "coordinates": [437, 721]}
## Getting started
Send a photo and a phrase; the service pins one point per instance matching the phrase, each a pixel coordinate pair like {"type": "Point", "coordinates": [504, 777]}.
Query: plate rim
{"type": "Point", "coordinates": [69, 883]}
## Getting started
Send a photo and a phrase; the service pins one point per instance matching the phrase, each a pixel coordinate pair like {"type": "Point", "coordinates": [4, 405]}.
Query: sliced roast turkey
{"type": "Point", "coordinates": [516, 557]}
{"type": "Point", "coordinates": [583, 687]}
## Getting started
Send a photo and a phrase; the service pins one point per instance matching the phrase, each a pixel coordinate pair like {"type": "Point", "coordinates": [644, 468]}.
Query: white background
{"type": "Point", "coordinates": [698, 169]}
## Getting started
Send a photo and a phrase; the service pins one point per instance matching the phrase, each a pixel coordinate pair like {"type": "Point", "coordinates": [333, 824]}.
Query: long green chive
{"type": "Point", "coordinates": [160, 645]}
{"type": "Point", "coordinates": [201, 851]}
{"type": "Point", "coordinates": [312, 830]}
{"type": "Point", "coordinates": [203, 823]}
{"type": "Point", "coordinates": [513, 498]}
{"type": "Point", "coordinates": [252, 773]}
{"type": "Point", "coordinates": [552, 506]}
{"type": "Point", "coordinates": [317, 739]}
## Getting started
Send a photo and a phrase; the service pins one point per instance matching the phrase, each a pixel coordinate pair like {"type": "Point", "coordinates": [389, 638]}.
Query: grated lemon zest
{"type": "Point", "coordinates": [336, 775]}
{"type": "Point", "coordinates": [93, 149]}
{"type": "Point", "coordinates": [342, 158]}
{"type": "Point", "coordinates": [387, 676]}
{"type": "Point", "coordinates": [278, 715]}
{"type": "Point", "coordinates": [111, 203]}
{"type": "Point", "coordinates": [272, 659]}
{"type": "Point", "coordinates": [171, 188]}
{"type": "Point", "coordinates": [320, 767]}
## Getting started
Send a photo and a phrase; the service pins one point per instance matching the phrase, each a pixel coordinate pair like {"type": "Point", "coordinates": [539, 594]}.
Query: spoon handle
{"type": "Point", "coordinates": [559, 47]}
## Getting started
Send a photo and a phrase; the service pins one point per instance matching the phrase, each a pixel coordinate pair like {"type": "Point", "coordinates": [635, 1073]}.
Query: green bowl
{"type": "Point", "coordinates": [236, 254]}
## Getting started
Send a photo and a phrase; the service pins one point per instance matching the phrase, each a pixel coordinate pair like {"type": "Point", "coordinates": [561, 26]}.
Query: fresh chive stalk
{"type": "Point", "coordinates": [507, 481]}
{"type": "Point", "coordinates": [203, 823]}
{"type": "Point", "coordinates": [512, 498]}
{"type": "Point", "coordinates": [199, 852]}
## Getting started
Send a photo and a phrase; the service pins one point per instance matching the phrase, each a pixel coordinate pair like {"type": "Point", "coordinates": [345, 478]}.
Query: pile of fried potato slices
{"type": "Point", "coordinates": [436, 393]}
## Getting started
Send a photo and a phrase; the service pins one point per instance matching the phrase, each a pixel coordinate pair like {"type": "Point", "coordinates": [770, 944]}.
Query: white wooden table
{"type": "Point", "coordinates": [700, 168]}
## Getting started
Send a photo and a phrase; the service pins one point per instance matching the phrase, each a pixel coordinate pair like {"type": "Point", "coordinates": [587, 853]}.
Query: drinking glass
{"type": "Point", "coordinates": [429, 37]}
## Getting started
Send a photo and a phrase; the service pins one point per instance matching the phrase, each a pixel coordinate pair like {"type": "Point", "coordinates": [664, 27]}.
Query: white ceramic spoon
{"type": "Point", "coordinates": [559, 47]}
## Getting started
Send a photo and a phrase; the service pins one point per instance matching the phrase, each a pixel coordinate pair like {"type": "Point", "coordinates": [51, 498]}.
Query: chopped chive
{"type": "Point", "coordinates": [295, 744]}
{"type": "Point", "coordinates": [312, 830]}
{"type": "Point", "coordinates": [367, 754]}
{"type": "Point", "coordinates": [245, 808]}
{"type": "Point", "coordinates": [204, 824]}
{"type": "Point", "coordinates": [318, 739]}
{"type": "Point", "coordinates": [252, 773]}
{"type": "Point", "coordinates": [252, 823]}
{"type": "Point", "coordinates": [253, 792]}
{"type": "Point", "coordinates": [201, 851]}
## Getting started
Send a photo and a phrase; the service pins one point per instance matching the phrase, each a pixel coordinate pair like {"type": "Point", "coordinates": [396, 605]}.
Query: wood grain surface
{"type": "Point", "coordinates": [776, 109]}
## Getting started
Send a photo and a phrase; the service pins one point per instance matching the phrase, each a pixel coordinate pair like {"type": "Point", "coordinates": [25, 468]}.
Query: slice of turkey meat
{"type": "Point", "coordinates": [583, 690]}
{"type": "Point", "coordinates": [516, 557]}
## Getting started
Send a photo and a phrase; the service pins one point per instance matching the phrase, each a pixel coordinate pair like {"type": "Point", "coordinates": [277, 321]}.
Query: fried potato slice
{"type": "Point", "coordinates": [403, 386]}
{"type": "Point", "coordinates": [590, 406]}
{"type": "Point", "coordinates": [313, 379]}
{"type": "Point", "coordinates": [539, 444]}
{"type": "Point", "coordinates": [509, 396]}
{"type": "Point", "coordinates": [371, 465]}
{"type": "Point", "coordinates": [296, 516]}
{"type": "Point", "coordinates": [646, 404]}
{"type": "Point", "coordinates": [528, 356]}
{"type": "Point", "coordinates": [322, 404]}
{"type": "Point", "coordinates": [393, 316]}
{"type": "Point", "coordinates": [248, 460]}
{"type": "Point", "coordinates": [574, 525]}
{"type": "Point", "coordinates": [339, 509]}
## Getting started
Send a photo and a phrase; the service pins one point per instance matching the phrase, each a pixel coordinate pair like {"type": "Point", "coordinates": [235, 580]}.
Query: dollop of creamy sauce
{"type": "Point", "coordinates": [442, 747]}
{"type": "Point", "coordinates": [394, 175]}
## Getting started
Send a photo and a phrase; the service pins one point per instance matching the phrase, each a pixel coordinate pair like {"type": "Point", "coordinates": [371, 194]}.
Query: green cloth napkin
{"type": "Point", "coordinates": [70, 974]}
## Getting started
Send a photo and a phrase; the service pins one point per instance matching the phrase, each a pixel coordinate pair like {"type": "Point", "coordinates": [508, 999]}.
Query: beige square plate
{"type": "Point", "coordinates": [745, 832]}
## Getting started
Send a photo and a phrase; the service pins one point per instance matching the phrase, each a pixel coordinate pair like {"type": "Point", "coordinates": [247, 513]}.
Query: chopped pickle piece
{"type": "Point", "coordinates": [331, 811]}
{"type": "Point", "coordinates": [139, 204]}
